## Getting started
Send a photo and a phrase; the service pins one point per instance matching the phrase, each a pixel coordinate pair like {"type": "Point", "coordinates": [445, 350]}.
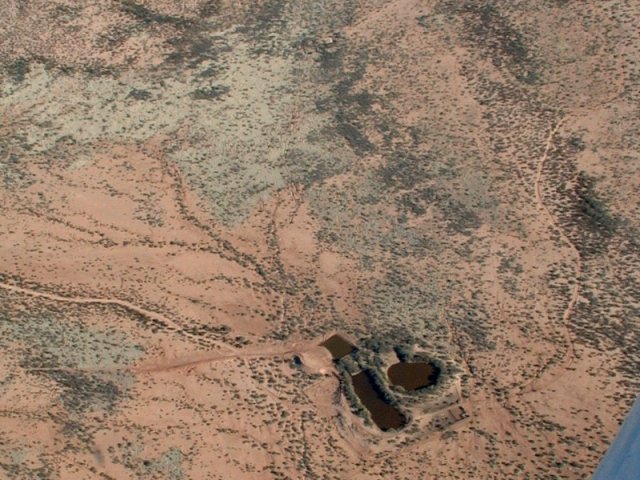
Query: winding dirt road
{"type": "Point", "coordinates": [157, 317]}
{"type": "Point", "coordinates": [151, 366]}
{"type": "Point", "coordinates": [569, 354]}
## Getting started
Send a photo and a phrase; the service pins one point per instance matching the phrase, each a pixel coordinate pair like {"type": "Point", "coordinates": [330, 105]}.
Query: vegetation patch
{"type": "Point", "coordinates": [213, 92]}
{"type": "Point", "coordinates": [18, 69]}
{"type": "Point", "coordinates": [595, 214]}
{"type": "Point", "coordinates": [148, 16]}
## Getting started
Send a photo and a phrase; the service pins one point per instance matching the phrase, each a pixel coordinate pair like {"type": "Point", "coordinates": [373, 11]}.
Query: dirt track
{"type": "Point", "coordinates": [538, 383]}
{"type": "Point", "coordinates": [165, 321]}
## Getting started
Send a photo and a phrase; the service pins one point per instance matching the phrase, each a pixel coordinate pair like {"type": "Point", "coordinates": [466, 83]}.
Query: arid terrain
{"type": "Point", "coordinates": [195, 195]}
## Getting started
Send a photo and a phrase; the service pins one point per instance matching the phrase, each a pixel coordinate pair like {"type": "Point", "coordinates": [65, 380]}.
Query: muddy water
{"type": "Point", "coordinates": [413, 375]}
{"type": "Point", "coordinates": [338, 346]}
{"type": "Point", "coordinates": [384, 415]}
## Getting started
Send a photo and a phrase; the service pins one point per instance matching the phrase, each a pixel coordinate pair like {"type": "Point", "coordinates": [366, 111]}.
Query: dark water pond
{"type": "Point", "coordinates": [338, 346]}
{"type": "Point", "coordinates": [413, 375]}
{"type": "Point", "coordinates": [384, 415]}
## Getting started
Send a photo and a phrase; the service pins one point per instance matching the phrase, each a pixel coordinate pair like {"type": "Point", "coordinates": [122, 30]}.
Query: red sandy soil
{"type": "Point", "coordinates": [196, 193]}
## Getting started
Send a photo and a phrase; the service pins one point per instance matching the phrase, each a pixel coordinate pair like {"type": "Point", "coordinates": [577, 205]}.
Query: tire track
{"type": "Point", "coordinates": [569, 354]}
{"type": "Point", "coordinates": [158, 366]}
{"type": "Point", "coordinates": [155, 317]}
